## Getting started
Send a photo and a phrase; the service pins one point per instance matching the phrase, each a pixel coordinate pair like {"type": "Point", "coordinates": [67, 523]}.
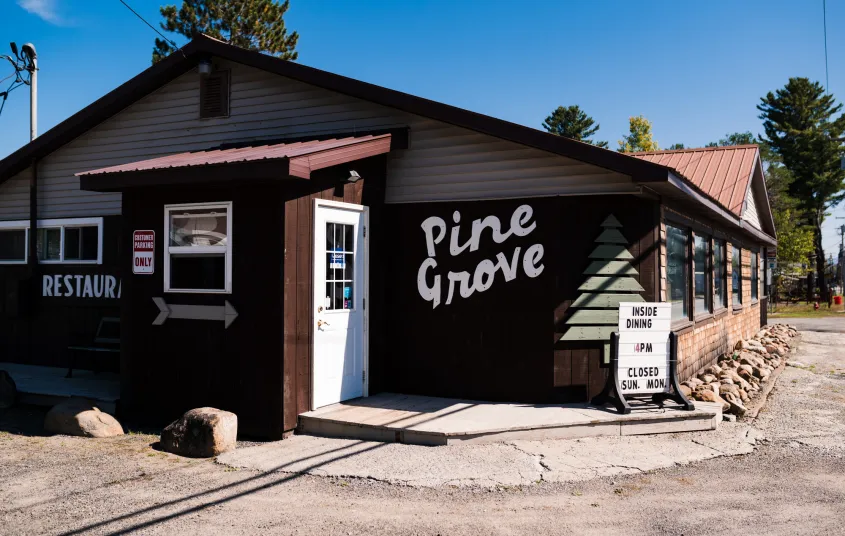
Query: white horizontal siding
{"type": "Point", "coordinates": [443, 162]}
{"type": "Point", "coordinates": [751, 214]}
{"type": "Point", "coordinates": [14, 197]}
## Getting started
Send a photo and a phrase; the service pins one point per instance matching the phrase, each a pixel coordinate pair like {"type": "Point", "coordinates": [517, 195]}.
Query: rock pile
{"type": "Point", "coordinates": [735, 379]}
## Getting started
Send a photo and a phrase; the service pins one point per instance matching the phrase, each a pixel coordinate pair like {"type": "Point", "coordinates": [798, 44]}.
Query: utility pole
{"type": "Point", "coordinates": [29, 50]}
{"type": "Point", "coordinates": [24, 61]}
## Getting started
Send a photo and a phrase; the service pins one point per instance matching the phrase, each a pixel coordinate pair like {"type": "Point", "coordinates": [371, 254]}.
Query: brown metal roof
{"type": "Point", "coordinates": [721, 173]}
{"type": "Point", "coordinates": [302, 157]}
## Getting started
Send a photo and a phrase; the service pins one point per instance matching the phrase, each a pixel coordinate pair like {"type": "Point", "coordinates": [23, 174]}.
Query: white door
{"type": "Point", "coordinates": [340, 287]}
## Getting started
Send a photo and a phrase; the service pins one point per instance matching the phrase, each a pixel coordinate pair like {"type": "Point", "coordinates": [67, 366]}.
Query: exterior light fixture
{"type": "Point", "coordinates": [204, 67]}
{"type": "Point", "coordinates": [353, 176]}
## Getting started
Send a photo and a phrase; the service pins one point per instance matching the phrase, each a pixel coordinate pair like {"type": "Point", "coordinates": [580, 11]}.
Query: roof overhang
{"type": "Point", "coordinates": [202, 47]}
{"type": "Point", "coordinates": [680, 190]}
{"type": "Point", "coordinates": [266, 162]}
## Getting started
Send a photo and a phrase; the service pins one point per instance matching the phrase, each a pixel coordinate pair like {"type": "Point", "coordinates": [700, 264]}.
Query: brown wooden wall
{"type": "Point", "coordinates": [183, 364]}
{"type": "Point", "coordinates": [501, 344]}
{"type": "Point", "coordinates": [298, 268]}
{"type": "Point", "coordinates": [37, 330]}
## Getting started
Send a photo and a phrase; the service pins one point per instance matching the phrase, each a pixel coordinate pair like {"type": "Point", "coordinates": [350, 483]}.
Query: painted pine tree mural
{"type": "Point", "coordinates": [610, 280]}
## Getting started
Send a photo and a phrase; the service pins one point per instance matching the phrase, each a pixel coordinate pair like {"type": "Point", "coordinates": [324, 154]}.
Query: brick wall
{"type": "Point", "coordinates": [702, 344]}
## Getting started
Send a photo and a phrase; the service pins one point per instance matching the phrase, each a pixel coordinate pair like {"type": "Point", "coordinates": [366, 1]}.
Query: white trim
{"type": "Point", "coordinates": [61, 224]}
{"type": "Point", "coordinates": [365, 358]}
{"type": "Point", "coordinates": [198, 250]}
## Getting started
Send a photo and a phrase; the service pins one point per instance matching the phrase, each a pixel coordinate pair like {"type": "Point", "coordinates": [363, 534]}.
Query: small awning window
{"type": "Point", "coordinates": [267, 161]}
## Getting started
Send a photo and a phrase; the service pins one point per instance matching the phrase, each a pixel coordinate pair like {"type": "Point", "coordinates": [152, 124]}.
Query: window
{"type": "Point", "coordinates": [755, 267]}
{"type": "Point", "coordinates": [677, 289]}
{"type": "Point", "coordinates": [340, 266]}
{"type": "Point", "coordinates": [199, 248]}
{"type": "Point", "coordinates": [736, 275]}
{"type": "Point", "coordinates": [13, 246]}
{"type": "Point", "coordinates": [701, 258]}
{"type": "Point", "coordinates": [720, 274]}
{"type": "Point", "coordinates": [64, 241]}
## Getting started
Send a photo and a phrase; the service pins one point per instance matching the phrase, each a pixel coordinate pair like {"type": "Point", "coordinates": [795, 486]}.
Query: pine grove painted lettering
{"type": "Point", "coordinates": [430, 284]}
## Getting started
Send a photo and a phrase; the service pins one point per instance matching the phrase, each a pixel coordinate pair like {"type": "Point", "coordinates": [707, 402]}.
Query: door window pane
{"type": "Point", "coordinates": [198, 227]}
{"type": "Point", "coordinates": [755, 266]}
{"type": "Point", "coordinates": [702, 274]}
{"type": "Point", "coordinates": [719, 274]}
{"type": "Point", "coordinates": [676, 272]}
{"type": "Point", "coordinates": [340, 266]}
{"type": "Point", "coordinates": [49, 244]}
{"type": "Point", "coordinates": [13, 245]}
{"type": "Point", "coordinates": [736, 275]}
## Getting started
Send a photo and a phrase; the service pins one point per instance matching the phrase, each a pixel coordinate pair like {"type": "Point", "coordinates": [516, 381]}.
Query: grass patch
{"type": "Point", "coordinates": [806, 310]}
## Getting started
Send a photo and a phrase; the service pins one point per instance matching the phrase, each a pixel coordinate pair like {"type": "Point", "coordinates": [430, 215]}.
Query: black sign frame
{"type": "Point", "coordinates": [611, 395]}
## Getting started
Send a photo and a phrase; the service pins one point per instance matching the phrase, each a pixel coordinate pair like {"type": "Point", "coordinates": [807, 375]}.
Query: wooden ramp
{"type": "Point", "coordinates": [423, 420]}
{"type": "Point", "coordinates": [47, 386]}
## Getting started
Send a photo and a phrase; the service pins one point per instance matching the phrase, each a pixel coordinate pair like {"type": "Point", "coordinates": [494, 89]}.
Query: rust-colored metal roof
{"type": "Point", "coordinates": [302, 157]}
{"type": "Point", "coordinates": [722, 173]}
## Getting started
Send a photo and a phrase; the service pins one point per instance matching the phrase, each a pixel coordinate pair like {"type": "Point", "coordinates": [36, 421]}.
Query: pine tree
{"type": "Point", "coordinates": [610, 281]}
{"type": "Point", "coordinates": [639, 137]}
{"type": "Point", "coordinates": [250, 24]}
{"type": "Point", "coordinates": [801, 128]}
{"type": "Point", "coordinates": [572, 122]}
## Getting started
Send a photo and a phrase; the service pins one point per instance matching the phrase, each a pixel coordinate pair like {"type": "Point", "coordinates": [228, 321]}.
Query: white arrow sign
{"type": "Point", "coordinates": [225, 312]}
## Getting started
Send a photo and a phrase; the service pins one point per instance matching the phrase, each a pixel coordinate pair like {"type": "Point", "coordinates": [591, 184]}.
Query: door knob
{"type": "Point", "coordinates": [320, 323]}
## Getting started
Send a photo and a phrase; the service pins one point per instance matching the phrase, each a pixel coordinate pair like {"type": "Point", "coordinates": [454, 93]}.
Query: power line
{"type": "Point", "coordinates": [153, 28]}
{"type": "Point", "coordinates": [824, 18]}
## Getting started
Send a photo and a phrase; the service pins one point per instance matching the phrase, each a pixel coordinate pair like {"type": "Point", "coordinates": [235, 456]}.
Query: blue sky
{"type": "Point", "coordinates": [695, 69]}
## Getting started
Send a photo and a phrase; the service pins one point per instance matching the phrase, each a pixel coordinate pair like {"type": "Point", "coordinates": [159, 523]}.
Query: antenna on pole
{"type": "Point", "coordinates": [31, 65]}
{"type": "Point", "coordinates": [25, 60]}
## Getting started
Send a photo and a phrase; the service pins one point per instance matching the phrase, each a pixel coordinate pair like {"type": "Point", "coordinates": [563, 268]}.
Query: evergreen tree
{"type": "Point", "coordinates": [676, 147]}
{"type": "Point", "coordinates": [801, 129]}
{"type": "Point", "coordinates": [572, 122]}
{"type": "Point", "coordinates": [250, 24]}
{"type": "Point", "coordinates": [639, 137]}
{"type": "Point", "coordinates": [610, 281]}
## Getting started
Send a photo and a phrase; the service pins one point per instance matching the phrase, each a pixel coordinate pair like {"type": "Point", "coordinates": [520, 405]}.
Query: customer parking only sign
{"type": "Point", "coordinates": [643, 353]}
{"type": "Point", "coordinates": [143, 252]}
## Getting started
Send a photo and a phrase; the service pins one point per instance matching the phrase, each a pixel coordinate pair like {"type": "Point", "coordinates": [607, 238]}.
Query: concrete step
{"type": "Point", "coordinates": [437, 421]}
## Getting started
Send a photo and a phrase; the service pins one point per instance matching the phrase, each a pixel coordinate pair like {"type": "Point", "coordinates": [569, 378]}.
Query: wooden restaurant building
{"type": "Point", "coordinates": [269, 238]}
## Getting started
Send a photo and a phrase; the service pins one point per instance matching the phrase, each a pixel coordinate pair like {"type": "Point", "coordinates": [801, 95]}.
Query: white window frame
{"type": "Point", "coordinates": [59, 223]}
{"type": "Point", "coordinates": [198, 250]}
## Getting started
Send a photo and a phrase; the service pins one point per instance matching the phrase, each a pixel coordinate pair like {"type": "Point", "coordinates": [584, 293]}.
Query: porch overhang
{"type": "Point", "coordinates": [265, 162]}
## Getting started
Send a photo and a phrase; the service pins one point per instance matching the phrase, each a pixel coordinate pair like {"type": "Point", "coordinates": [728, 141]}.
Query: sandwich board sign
{"type": "Point", "coordinates": [643, 357]}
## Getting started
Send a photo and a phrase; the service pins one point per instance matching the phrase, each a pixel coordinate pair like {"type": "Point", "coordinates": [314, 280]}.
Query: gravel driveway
{"type": "Point", "coordinates": [793, 483]}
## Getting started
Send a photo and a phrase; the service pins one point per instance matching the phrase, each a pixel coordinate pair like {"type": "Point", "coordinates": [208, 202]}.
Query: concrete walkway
{"type": "Point", "coordinates": [512, 463]}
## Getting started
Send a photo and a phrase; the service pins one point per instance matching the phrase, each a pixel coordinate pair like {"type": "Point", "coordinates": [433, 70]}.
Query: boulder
{"type": "Point", "coordinates": [761, 372]}
{"type": "Point", "coordinates": [736, 406]}
{"type": "Point", "coordinates": [201, 433]}
{"type": "Point", "coordinates": [685, 390]}
{"type": "Point", "coordinates": [714, 370]}
{"type": "Point", "coordinates": [709, 396]}
{"type": "Point", "coordinates": [8, 390]}
{"type": "Point", "coordinates": [80, 417]}
{"type": "Point", "coordinates": [743, 395]}
{"type": "Point", "coordinates": [708, 378]}
{"type": "Point", "coordinates": [728, 389]}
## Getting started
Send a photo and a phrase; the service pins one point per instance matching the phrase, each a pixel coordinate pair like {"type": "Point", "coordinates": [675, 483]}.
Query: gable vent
{"type": "Point", "coordinates": [214, 95]}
